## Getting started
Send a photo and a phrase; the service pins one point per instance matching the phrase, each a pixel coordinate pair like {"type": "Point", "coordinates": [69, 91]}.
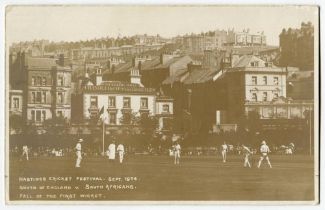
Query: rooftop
{"type": "Point", "coordinates": [195, 75]}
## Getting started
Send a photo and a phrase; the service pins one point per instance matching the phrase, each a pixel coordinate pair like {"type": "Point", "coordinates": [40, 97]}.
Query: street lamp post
{"type": "Point", "coordinates": [310, 134]}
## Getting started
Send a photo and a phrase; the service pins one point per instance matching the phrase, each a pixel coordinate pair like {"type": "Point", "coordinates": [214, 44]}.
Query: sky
{"type": "Point", "coordinates": [74, 23]}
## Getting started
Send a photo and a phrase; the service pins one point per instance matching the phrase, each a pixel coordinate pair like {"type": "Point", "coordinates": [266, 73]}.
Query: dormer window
{"type": "Point", "coordinates": [268, 64]}
{"type": "Point", "coordinates": [254, 64]}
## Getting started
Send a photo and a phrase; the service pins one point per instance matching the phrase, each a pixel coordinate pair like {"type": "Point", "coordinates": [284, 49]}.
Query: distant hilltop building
{"type": "Point", "coordinates": [91, 52]}
{"type": "Point", "coordinates": [197, 43]}
{"type": "Point", "coordinates": [297, 47]}
{"type": "Point", "coordinates": [149, 40]}
{"type": "Point", "coordinates": [245, 38]}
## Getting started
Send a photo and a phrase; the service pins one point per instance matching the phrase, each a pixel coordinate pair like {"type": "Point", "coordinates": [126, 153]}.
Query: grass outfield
{"type": "Point", "coordinates": [156, 178]}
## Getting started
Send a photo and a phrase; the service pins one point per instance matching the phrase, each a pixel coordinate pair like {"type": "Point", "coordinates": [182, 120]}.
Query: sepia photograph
{"type": "Point", "coordinates": [184, 104]}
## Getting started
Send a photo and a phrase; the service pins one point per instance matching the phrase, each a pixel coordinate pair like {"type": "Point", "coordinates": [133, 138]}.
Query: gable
{"type": "Point", "coordinates": [249, 61]}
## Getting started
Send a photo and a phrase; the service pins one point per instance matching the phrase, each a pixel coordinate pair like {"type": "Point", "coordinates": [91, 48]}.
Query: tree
{"type": "Point", "coordinates": [129, 118]}
{"type": "Point", "coordinates": [55, 125]}
{"type": "Point", "coordinates": [147, 124]}
{"type": "Point", "coordinates": [16, 123]}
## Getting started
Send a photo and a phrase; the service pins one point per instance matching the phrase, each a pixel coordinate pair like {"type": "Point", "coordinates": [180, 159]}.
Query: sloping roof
{"type": "Point", "coordinates": [44, 63]}
{"type": "Point", "coordinates": [199, 76]}
{"type": "Point", "coordinates": [244, 50]}
{"type": "Point", "coordinates": [194, 76]}
{"type": "Point", "coordinates": [150, 64]}
{"type": "Point", "coordinates": [175, 78]}
{"type": "Point", "coordinates": [167, 63]}
{"type": "Point", "coordinates": [123, 67]}
{"type": "Point", "coordinates": [197, 57]}
{"type": "Point", "coordinates": [245, 60]}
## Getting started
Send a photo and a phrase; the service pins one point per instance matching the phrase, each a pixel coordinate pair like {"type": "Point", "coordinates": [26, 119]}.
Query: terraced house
{"type": "Point", "coordinates": [48, 89]}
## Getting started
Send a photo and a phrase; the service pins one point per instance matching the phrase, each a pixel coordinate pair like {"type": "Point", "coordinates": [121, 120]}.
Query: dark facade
{"type": "Point", "coordinates": [45, 84]}
{"type": "Point", "coordinates": [297, 47]}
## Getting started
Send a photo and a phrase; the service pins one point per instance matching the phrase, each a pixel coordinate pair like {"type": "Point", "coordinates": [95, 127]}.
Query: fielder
{"type": "Point", "coordinates": [177, 153]}
{"type": "Point", "coordinates": [289, 150]}
{"type": "Point", "coordinates": [120, 150]}
{"type": "Point", "coordinates": [111, 152]}
{"type": "Point", "coordinates": [25, 152]}
{"type": "Point", "coordinates": [78, 153]}
{"type": "Point", "coordinates": [247, 152]}
{"type": "Point", "coordinates": [224, 150]}
{"type": "Point", "coordinates": [265, 150]}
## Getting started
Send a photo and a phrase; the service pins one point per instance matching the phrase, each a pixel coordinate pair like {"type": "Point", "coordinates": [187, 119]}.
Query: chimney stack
{"type": "Point", "coordinates": [139, 66]}
{"type": "Point", "coordinates": [133, 62]}
{"type": "Point", "coordinates": [61, 60]}
{"type": "Point", "coordinates": [135, 77]}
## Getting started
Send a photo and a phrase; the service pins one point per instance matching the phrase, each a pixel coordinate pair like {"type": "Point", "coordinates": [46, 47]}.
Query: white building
{"type": "Point", "coordinates": [122, 100]}
{"type": "Point", "coordinates": [251, 80]}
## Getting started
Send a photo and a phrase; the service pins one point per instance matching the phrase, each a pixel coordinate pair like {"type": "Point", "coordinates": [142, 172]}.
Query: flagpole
{"type": "Point", "coordinates": [103, 138]}
{"type": "Point", "coordinates": [310, 144]}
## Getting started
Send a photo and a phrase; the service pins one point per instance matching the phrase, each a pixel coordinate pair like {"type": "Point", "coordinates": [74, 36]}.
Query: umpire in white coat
{"type": "Point", "coordinates": [111, 152]}
{"type": "Point", "coordinates": [78, 153]}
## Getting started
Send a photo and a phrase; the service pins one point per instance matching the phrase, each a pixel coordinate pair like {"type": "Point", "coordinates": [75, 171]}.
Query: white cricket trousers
{"type": "Point", "coordinates": [246, 161]}
{"type": "Point", "coordinates": [266, 157]}
{"type": "Point", "coordinates": [25, 153]}
{"type": "Point", "coordinates": [224, 155]}
{"type": "Point", "coordinates": [121, 155]}
{"type": "Point", "coordinates": [79, 158]}
{"type": "Point", "coordinates": [177, 156]}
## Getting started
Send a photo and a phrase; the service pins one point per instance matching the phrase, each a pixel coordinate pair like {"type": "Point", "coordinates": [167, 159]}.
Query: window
{"type": "Point", "coordinates": [111, 101]}
{"type": "Point", "coordinates": [126, 102]}
{"type": "Point", "coordinates": [268, 64]}
{"type": "Point", "coordinates": [265, 80]}
{"type": "Point", "coordinates": [60, 81]}
{"type": "Point", "coordinates": [276, 95]}
{"type": "Point", "coordinates": [38, 116]}
{"type": "Point", "coordinates": [39, 81]}
{"type": "Point", "coordinates": [93, 101]}
{"type": "Point", "coordinates": [43, 115]}
{"type": "Point", "coordinates": [32, 115]}
{"type": "Point", "coordinates": [16, 103]}
{"type": "Point", "coordinates": [276, 80]}
{"type": "Point", "coordinates": [59, 114]}
{"type": "Point", "coordinates": [166, 108]}
{"type": "Point", "coordinates": [264, 96]}
{"type": "Point", "coordinates": [43, 81]}
{"type": "Point", "coordinates": [44, 97]}
{"type": "Point", "coordinates": [254, 80]}
{"type": "Point", "coordinates": [38, 97]}
{"type": "Point", "coordinates": [126, 118]}
{"type": "Point", "coordinates": [60, 98]}
{"type": "Point", "coordinates": [33, 81]}
{"type": "Point", "coordinates": [254, 97]}
{"type": "Point", "coordinates": [144, 103]}
{"type": "Point", "coordinates": [254, 64]}
{"type": "Point", "coordinates": [112, 118]}
{"type": "Point", "coordinates": [33, 97]}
